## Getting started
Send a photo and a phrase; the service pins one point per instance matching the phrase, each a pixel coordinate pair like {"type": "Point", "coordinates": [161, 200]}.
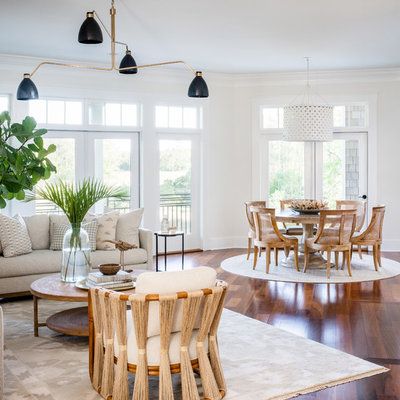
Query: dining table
{"type": "Point", "coordinates": [308, 222]}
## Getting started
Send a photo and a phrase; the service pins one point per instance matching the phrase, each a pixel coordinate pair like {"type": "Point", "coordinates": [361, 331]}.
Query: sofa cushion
{"type": "Point", "coordinates": [14, 236]}
{"type": "Point", "coordinates": [39, 231]}
{"type": "Point", "coordinates": [128, 226]}
{"type": "Point", "coordinates": [49, 261]}
{"type": "Point", "coordinates": [107, 224]}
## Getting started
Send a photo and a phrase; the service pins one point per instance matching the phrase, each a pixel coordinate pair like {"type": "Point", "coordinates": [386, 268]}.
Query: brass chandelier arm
{"type": "Point", "coordinates": [59, 64]}
{"type": "Point", "coordinates": [93, 67]}
{"type": "Point", "coordinates": [159, 65]}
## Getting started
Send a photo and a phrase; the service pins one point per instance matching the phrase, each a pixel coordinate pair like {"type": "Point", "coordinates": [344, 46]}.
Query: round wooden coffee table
{"type": "Point", "coordinates": [73, 321]}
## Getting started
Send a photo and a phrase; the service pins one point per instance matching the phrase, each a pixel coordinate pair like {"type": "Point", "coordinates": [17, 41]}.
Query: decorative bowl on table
{"type": "Point", "coordinates": [109, 269]}
{"type": "Point", "coordinates": [308, 206]}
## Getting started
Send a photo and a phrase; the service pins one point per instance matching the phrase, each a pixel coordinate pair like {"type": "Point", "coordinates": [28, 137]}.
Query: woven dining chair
{"type": "Point", "coordinates": [269, 237]}
{"type": "Point", "coordinates": [335, 230]}
{"type": "Point", "coordinates": [251, 233]}
{"type": "Point", "coordinates": [359, 205]}
{"type": "Point", "coordinates": [372, 236]}
{"type": "Point", "coordinates": [291, 230]}
{"type": "Point", "coordinates": [159, 334]}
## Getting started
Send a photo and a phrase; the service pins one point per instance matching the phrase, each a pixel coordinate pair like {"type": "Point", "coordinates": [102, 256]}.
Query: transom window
{"type": "Point", "coordinates": [178, 117]}
{"type": "Point", "coordinates": [113, 114]}
{"type": "Point", "coordinates": [4, 103]}
{"type": "Point", "coordinates": [344, 116]}
{"type": "Point", "coordinates": [59, 112]}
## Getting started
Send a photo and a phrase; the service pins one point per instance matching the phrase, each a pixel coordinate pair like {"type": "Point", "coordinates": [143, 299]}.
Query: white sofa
{"type": "Point", "coordinates": [17, 273]}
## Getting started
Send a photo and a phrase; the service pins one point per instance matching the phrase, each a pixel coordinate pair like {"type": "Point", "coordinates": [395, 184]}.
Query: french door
{"type": "Point", "coordinates": [179, 185]}
{"type": "Point", "coordinates": [112, 157]}
{"type": "Point", "coordinates": [329, 170]}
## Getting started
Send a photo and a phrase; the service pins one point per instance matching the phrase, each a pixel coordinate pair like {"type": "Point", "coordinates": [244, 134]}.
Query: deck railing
{"type": "Point", "coordinates": [178, 209]}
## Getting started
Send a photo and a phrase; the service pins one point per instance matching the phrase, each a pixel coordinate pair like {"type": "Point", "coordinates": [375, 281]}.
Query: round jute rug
{"type": "Point", "coordinates": [362, 270]}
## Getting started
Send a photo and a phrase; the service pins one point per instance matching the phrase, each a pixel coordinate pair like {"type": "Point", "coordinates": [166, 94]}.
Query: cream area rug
{"type": "Point", "coordinates": [260, 361]}
{"type": "Point", "coordinates": [362, 270]}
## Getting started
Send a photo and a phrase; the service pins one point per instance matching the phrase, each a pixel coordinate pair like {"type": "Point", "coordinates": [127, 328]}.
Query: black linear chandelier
{"type": "Point", "coordinates": [91, 33]}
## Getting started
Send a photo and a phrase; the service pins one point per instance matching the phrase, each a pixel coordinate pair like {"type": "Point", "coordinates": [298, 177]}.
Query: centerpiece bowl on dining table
{"type": "Point", "coordinates": [307, 206]}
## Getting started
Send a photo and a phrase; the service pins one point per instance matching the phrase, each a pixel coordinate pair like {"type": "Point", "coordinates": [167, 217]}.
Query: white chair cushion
{"type": "Point", "coordinates": [172, 282]}
{"type": "Point", "coordinates": [153, 346]}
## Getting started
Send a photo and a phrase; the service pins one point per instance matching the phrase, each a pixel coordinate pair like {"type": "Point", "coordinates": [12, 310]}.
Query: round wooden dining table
{"type": "Point", "coordinates": [308, 222]}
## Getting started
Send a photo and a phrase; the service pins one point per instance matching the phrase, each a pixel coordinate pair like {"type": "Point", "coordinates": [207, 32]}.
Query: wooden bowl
{"type": "Point", "coordinates": [109, 269]}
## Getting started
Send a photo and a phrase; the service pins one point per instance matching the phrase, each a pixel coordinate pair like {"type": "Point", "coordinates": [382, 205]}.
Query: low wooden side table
{"type": "Point", "coordinates": [166, 235]}
{"type": "Point", "coordinates": [73, 321]}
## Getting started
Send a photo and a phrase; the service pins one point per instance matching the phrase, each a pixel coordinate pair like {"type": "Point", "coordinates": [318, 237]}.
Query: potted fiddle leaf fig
{"type": "Point", "coordinates": [23, 157]}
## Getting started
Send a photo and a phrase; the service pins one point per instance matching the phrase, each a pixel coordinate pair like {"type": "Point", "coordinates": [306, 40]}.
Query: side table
{"type": "Point", "coordinates": [166, 235]}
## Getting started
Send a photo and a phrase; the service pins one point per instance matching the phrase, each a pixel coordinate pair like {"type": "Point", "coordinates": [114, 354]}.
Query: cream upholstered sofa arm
{"type": "Point", "coordinates": [146, 242]}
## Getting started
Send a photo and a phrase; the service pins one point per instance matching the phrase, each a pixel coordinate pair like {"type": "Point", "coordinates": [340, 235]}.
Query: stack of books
{"type": "Point", "coordinates": [121, 280]}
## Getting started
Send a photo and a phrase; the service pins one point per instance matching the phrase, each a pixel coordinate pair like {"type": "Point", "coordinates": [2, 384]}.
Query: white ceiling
{"type": "Point", "coordinates": [233, 36]}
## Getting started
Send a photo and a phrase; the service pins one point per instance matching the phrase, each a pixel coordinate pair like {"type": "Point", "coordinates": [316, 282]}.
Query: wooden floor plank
{"type": "Point", "coordinates": [360, 318]}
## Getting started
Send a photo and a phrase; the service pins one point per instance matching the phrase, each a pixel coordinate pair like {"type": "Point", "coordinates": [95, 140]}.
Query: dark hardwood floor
{"type": "Point", "coordinates": [362, 319]}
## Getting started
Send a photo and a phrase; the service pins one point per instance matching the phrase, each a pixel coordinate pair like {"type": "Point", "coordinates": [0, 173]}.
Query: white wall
{"type": "Point", "coordinates": [228, 145]}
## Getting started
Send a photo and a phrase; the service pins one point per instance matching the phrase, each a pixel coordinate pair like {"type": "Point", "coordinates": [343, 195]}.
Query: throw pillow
{"type": "Point", "coordinates": [59, 230]}
{"type": "Point", "coordinates": [14, 236]}
{"type": "Point", "coordinates": [58, 219]}
{"type": "Point", "coordinates": [106, 231]}
{"type": "Point", "coordinates": [128, 226]}
{"type": "Point", "coordinates": [38, 228]}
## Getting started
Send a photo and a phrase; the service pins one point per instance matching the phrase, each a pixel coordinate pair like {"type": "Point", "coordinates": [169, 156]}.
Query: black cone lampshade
{"type": "Point", "coordinates": [126, 62]}
{"type": "Point", "coordinates": [90, 31]}
{"type": "Point", "coordinates": [198, 87]}
{"type": "Point", "coordinates": [27, 89]}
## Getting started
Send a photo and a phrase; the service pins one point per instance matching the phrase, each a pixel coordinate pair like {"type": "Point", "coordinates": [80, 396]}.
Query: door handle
{"type": "Point", "coordinates": [364, 197]}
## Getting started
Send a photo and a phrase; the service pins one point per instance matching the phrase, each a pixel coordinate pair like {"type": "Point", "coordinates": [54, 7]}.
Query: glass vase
{"type": "Point", "coordinates": [75, 254]}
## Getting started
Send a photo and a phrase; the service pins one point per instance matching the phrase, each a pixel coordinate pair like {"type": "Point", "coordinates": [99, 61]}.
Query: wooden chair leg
{"type": "Point", "coordinates": [255, 257]}
{"type": "Point", "coordinates": [360, 251]}
{"type": "Point", "coordinates": [343, 259]}
{"type": "Point", "coordinates": [379, 256]}
{"type": "Point", "coordinates": [337, 260]}
{"type": "Point", "coordinates": [260, 252]}
{"type": "Point", "coordinates": [267, 258]}
{"type": "Point", "coordinates": [328, 264]}
{"type": "Point", "coordinates": [296, 256]}
{"type": "Point", "coordinates": [306, 258]}
{"type": "Point", "coordinates": [375, 256]}
{"type": "Point", "coordinates": [287, 251]}
{"type": "Point", "coordinates": [248, 247]}
{"type": "Point", "coordinates": [348, 262]}
{"type": "Point", "coordinates": [276, 256]}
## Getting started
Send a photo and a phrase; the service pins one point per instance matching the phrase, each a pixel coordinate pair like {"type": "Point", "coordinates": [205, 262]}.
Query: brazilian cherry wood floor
{"type": "Point", "coordinates": [362, 319]}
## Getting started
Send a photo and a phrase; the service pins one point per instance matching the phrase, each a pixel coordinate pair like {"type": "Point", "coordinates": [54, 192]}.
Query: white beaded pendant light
{"type": "Point", "coordinates": [309, 119]}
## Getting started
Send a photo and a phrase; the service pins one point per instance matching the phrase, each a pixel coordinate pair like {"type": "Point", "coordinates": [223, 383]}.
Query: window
{"type": "Point", "coordinates": [64, 161]}
{"type": "Point", "coordinates": [113, 114]}
{"type": "Point", "coordinates": [4, 103]}
{"type": "Point", "coordinates": [178, 117]}
{"type": "Point", "coordinates": [344, 116]}
{"type": "Point", "coordinates": [57, 112]}
{"type": "Point", "coordinates": [175, 183]}
{"type": "Point", "coordinates": [113, 167]}
{"type": "Point", "coordinates": [285, 171]}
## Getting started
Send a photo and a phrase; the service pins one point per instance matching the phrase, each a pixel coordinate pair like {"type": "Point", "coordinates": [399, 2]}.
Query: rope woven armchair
{"type": "Point", "coordinates": [269, 237]}
{"type": "Point", "coordinates": [162, 334]}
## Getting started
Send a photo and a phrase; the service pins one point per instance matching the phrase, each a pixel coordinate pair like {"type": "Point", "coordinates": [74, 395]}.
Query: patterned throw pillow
{"type": "Point", "coordinates": [128, 226]}
{"type": "Point", "coordinates": [106, 231]}
{"type": "Point", "coordinates": [14, 236]}
{"type": "Point", "coordinates": [58, 232]}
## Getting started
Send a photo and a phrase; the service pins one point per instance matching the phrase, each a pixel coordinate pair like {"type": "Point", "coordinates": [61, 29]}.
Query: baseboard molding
{"type": "Point", "coordinates": [217, 243]}
{"type": "Point", "coordinates": [391, 245]}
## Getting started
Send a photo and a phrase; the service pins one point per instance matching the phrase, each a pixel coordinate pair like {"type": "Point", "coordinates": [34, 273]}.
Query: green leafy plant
{"type": "Point", "coordinates": [23, 157]}
{"type": "Point", "coordinates": [76, 200]}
